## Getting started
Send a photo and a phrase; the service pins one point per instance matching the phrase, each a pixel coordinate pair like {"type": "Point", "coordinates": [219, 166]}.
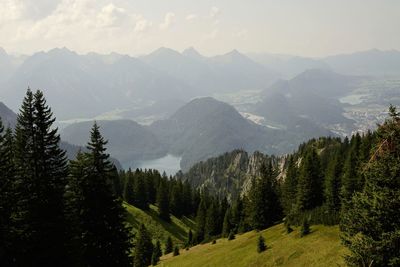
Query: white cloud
{"type": "Point", "coordinates": [110, 15]}
{"type": "Point", "coordinates": [142, 25]}
{"type": "Point", "coordinates": [168, 21]}
{"type": "Point", "coordinates": [11, 10]}
{"type": "Point", "coordinates": [214, 12]}
{"type": "Point", "coordinates": [241, 34]}
{"type": "Point", "coordinates": [191, 17]}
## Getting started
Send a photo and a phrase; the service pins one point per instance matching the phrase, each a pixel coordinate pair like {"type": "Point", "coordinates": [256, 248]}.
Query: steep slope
{"type": "Point", "coordinates": [177, 228]}
{"type": "Point", "coordinates": [321, 247]}
{"type": "Point", "coordinates": [128, 140]}
{"type": "Point", "coordinates": [206, 127]}
{"type": "Point", "coordinates": [8, 117]}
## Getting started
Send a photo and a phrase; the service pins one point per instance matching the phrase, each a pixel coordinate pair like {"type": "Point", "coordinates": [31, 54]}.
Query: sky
{"type": "Point", "coordinates": [313, 28]}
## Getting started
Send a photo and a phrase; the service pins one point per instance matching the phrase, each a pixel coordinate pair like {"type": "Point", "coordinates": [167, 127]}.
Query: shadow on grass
{"type": "Point", "coordinates": [177, 231]}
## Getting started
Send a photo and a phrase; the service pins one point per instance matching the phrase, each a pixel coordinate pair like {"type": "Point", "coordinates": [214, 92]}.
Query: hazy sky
{"type": "Point", "coordinates": [301, 27]}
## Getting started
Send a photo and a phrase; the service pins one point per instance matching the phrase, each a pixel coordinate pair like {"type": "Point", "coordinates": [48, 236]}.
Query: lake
{"type": "Point", "coordinates": [169, 163]}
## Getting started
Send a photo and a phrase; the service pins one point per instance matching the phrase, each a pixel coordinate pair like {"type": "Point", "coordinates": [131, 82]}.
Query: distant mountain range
{"type": "Point", "coordinates": [85, 86]}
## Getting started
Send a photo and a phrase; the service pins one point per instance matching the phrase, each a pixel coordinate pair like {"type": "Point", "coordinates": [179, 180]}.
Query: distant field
{"type": "Point", "coordinates": [178, 228]}
{"type": "Point", "coordinates": [320, 248]}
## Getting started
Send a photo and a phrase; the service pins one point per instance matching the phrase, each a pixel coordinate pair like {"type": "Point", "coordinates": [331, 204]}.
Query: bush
{"type": "Point", "coordinates": [231, 236]}
{"type": "Point", "coordinates": [176, 251]}
{"type": "Point", "coordinates": [261, 244]}
{"type": "Point", "coordinates": [305, 228]}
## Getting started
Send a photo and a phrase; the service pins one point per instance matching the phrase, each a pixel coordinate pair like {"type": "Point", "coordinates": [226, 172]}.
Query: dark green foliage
{"type": "Point", "coordinates": [305, 228]}
{"type": "Point", "coordinates": [7, 194]}
{"type": "Point", "coordinates": [211, 227]}
{"type": "Point", "coordinates": [143, 253]}
{"type": "Point", "coordinates": [129, 195]}
{"type": "Point", "coordinates": [169, 246]}
{"type": "Point", "coordinates": [100, 230]}
{"type": "Point", "coordinates": [176, 201]}
{"type": "Point", "coordinates": [214, 242]}
{"type": "Point", "coordinates": [263, 205]}
{"type": "Point", "coordinates": [176, 251]}
{"type": "Point", "coordinates": [289, 188]}
{"type": "Point", "coordinates": [333, 183]}
{"type": "Point", "coordinates": [261, 244]}
{"type": "Point", "coordinates": [39, 222]}
{"type": "Point", "coordinates": [288, 228]}
{"type": "Point", "coordinates": [371, 221]}
{"type": "Point", "coordinates": [140, 192]}
{"type": "Point", "coordinates": [231, 235]}
{"type": "Point", "coordinates": [189, 241]}
{"type": "Point", "coordinates": [227, 226]}
{"type": "Point", "coordinates": [309, 188]}
{"type": "Point", "coordinates": [163, 201]}
{"type": "Point", "coordinates": [201, 221]}
{"type": "Point", "coordinates": [157, 253]}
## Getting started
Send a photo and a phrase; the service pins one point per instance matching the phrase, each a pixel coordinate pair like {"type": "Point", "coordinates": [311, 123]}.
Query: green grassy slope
{"type": "Point", "coordinates": [320, 248]}
{"type": "Point", "coordinates": [178, 228]}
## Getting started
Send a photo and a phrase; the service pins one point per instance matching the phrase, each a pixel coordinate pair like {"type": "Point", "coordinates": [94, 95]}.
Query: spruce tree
{"type": "Point", "coordinates": [169, 245]}
{"type": "Point", "coordinates": [201, 221]}
{"type": "Point", "coordinates": [189, 241]}
{"type": "Point", "coordinates": [305, 228]}
{"type": "Point", "coordinates": [140, 191]}
{"type": "Point", "coordinates": [143, 248]}
{"type": "Point", "coordinates": [289, 188]}
{"type": "Point", "coordinates": [309, 188]}
{"type": "Point", "coordinates": [261, 244]}
{"type": "Point", "coordinates": [211, 226]}
{"type": "Point", "coordinates": [163, 201]}
{"type": "Point", "coordinates": [227, 226]}
{"type": "Point", "coordinates": [231, 235]}
{"type": "Point", "coordinates": [263, 200]}
{"type": "Point", "coordinates": [157, 253]}
{"type": "Point", "coordinates": [102, 233]}
{"type": "Point", "coordinates": [39, 221]}
{"type": "Point", "coordinates": [7, 194]}
{"type": "Point", "coordinates": [370, 223]}
{"type": "Point", "coordinates": [129, 195]}
{"type": "Point", "coordinates": [176, 251]}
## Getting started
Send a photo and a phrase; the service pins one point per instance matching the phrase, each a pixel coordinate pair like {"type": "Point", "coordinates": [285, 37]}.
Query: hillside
{"type": "Point", "coordinates": [178, 228]}
{"type": "Point", "coordinates": [320, 248]}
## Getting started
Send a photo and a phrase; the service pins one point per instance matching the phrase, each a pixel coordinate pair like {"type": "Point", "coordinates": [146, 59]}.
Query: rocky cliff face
{"type": "Point", "coordinates": [230, 174]}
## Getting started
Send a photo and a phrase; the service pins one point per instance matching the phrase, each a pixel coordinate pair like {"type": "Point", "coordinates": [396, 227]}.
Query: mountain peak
{"type": "Point", "coordinates": [192, 53]}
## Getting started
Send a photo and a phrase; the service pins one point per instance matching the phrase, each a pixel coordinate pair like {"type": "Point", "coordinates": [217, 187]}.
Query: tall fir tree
{"type": "Point", "coordinates": [169, 245]}
{"type": "Point", "coordinates": [143, 248]}
{"type": "Point", "coordinates": [289, 187]}
{"type": "Point", "coordinates": [211, 224]}
{"type": "Point", "coordinates": [39, 221]}
{"type": "Point", "coordinates": [227, 226]}
{"type": "Point", "coordinates": [201, 221]}
{"type": "Point", "coordinates": [102, 234]}
{"type": "Point", "coordinates": [333, 183]}
{"type": "Point", "coordinates": [140, 191]}
{"type": "Point", "coordinates": [129, 195]}
{"type": "Point", "coordinates": [371, 221]}
{"type": "Point", "coordinates": [309, 187]}
{"type": "Point", "coordinates": [163, 201]}
{"type": "Point", "coordinates": [7, 194]}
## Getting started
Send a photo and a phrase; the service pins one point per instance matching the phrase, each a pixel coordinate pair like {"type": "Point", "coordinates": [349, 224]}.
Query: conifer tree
{"type": "Point", "coordinates": [163, 201]}
{"type": "Point", "coordinates": [309, 188]}
{"type": "Point", "coordinates": [157, 253]}
{"type": "Point", "coordinates": [201, 221]}
{"type": "Point", "coordinates": [143, 248]}
{"type": "Point", "coordinates": [261, 244]}
{"type": "Point", "coordinates": [102, 234]}
{"type": "Point", "coordinates": [176, 199]}
{"type": "Point", "coordinates": [305, 228]}
{"type": "Point", "coordinates": [371, 221]}
{"type": "Point", "coordinates": [39, 221]}
{"type": "Point", "coordinates": [333, 183]}
{"type": "Point", "coordinates": [189, 241]}
{"type": "Point", "coordinates": [231, 235]}
{"type": "Point", "coordinates": [7, 194]}
{"type": "Point", "coordinates": [289, 189]}
{"type": "Point", "coordinates": [129, 195]}
{"type": "Point", "coordinates": [227, 226]}
{"type": "Point", "coordinates": [263, 200]}
{"type": "Point", "coordinates": [176, 251]}
{"type": "Point", "coordinates": [140, 192]}
{"type": "Point", "coordinates": [211, 226]}
{"type": "Point", "coordinates": [169, 245]}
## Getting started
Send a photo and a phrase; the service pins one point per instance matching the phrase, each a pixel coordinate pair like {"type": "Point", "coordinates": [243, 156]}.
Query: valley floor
{"type": "Point", "coordinates": [320, 248]}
